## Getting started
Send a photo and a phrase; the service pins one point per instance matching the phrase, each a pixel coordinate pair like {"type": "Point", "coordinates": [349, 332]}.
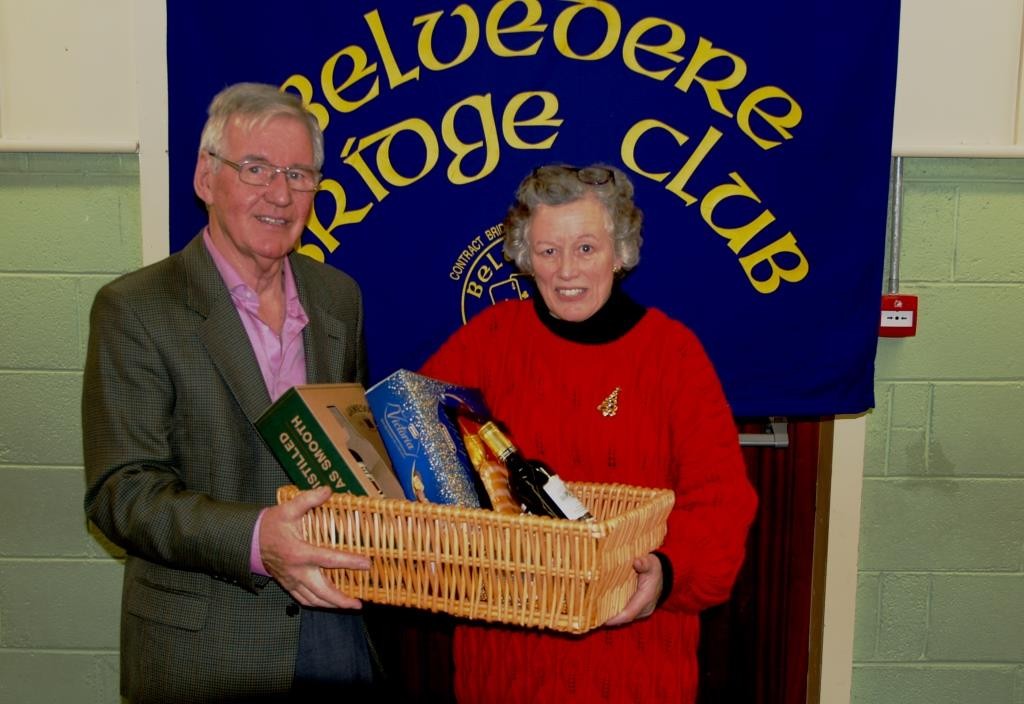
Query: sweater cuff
{"type": "Point", "coordinates": [666, 577]}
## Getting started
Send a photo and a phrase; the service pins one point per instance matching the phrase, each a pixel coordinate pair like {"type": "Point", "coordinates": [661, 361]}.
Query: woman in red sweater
{"type": "Point", "coordinates": [604, 390]}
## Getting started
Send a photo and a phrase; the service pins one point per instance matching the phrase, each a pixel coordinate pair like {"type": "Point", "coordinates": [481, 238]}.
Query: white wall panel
{"type": "Point", "coordinates": [67, 74]}
{"type": "Point", "coordinates": [959, 76]}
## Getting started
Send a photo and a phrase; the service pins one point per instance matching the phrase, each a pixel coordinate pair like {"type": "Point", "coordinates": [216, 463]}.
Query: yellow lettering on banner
{"type": "Point", "coordinates": [682, 177]}
{"type": "Point", "coordinates": [495, 264]}
{"type": "Point", "coordinates": [666, 50]}
{"type": "Point", "coordinates": [356, 161]}
{"type": "Point", "coordinates": [305, 90]}
{"type": "Point", "coordinates": [784, 245]}
{"type": "Point", "coordinates": [425, 45]}
{"type": "Point", "coordinates": [545, 118]}
{"type": "Point", "coordinates": [704, 55]}
{"type": "Point", "coordinates": [677, 185]}
{"type": "Point", "coordinates": [311, 251]}
{"type": "Point", "coordinates": [738, 237]}
{"type": "Point", "coordinates": [380, 37]}
{"type": "Point", "coordinates": [528, 24]}
{"type": "Point", "coordinates": [378, 182]}
{"type": "Point", "coordinates": [360, 70]}
{"type": "Point", "coordinates": [628, 149]}
{"type": "Point", "coordinates": [342, 216]}
{"type": "Point", "coordinates": [613, 28]}
{"type": "Point", "coordinates": [485, 273]}
{"type": "Point", "coordinates": [384, 164]}
{"type": "Point", "coordinates": [482, 105]}
{"type": "Point", "coordinates": [474, 246]}
{"type": "Point", "coordinates": [651, 47]}
{"type": "Point", "coordinates": [751, 104]}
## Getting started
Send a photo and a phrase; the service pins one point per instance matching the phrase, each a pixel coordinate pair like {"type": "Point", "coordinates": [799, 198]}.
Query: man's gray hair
{"type": "Point", "coordinates": [254, 105]}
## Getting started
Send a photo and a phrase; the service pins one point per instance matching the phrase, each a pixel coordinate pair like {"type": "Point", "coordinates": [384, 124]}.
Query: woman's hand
{"type": "Point", "coordinates": [648, 589]}
{"type": "Point", "coordinates": [296, 564]}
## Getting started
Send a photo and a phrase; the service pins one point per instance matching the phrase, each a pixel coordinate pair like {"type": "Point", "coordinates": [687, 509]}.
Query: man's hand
{"type": "Point", "coordinates": [648, 589]}
{"type": "Point", "coordinates": [294, 563]}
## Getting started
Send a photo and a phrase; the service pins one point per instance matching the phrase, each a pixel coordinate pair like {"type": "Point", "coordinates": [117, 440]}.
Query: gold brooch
{"type": "Point", "coordinates": [610, 406]}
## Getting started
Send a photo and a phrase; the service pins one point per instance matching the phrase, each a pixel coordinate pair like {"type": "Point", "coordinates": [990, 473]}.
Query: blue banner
{"type": "Point", "coordinates": [758, 136]}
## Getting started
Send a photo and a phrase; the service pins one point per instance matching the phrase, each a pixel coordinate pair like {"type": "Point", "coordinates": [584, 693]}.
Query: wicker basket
{"type": "Point", "coordinates": [474, 563]}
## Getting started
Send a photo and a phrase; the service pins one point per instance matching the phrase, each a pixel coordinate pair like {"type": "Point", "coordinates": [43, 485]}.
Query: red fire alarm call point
{"type": "Point", "coordinates": [899, 315]}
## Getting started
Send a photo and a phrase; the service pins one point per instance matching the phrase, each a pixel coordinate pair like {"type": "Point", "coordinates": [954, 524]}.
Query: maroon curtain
{"type": "Point", "coordinates": [754, 648]}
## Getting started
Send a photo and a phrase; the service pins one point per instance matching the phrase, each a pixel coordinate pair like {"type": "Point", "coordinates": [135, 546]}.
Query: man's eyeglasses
{"type": "Point", "coordinates": [590, 175]}
{"type": "Point", "coordinates": [260, 173]}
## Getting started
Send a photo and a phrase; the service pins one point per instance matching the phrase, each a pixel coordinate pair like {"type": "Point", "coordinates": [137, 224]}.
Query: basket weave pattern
{"type": "Point", "coordinates": [524, 570]}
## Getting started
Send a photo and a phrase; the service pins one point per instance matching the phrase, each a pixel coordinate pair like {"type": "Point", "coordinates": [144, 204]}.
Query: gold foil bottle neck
{"type": "Point", "coordinates": [475, 449]}
{"type": "Point", "coordinates": [495, 439]}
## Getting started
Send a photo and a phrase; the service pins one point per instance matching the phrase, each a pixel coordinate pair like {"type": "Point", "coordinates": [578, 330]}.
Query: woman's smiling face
{"type": "Point", "coordinates": [573, 257]}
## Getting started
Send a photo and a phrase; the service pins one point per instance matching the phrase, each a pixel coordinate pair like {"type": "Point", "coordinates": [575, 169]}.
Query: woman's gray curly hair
{"type": "Point", "coordinates": [558, 184]}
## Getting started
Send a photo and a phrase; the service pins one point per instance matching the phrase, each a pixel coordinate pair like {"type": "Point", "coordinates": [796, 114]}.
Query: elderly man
{"type": "Point", "coordinates": [222, 599]}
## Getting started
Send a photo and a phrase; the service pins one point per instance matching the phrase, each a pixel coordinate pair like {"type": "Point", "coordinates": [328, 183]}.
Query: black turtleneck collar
{"type": "Point", "coordinates": [614, 319]}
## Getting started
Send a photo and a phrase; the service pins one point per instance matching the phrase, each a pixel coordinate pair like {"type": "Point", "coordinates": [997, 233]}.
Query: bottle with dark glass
{"type": "Point", "coordinates": [534, 485]}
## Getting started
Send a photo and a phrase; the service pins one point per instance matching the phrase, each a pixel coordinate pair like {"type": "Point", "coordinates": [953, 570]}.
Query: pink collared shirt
{"type": "Point", "coordinates": [281, 358]}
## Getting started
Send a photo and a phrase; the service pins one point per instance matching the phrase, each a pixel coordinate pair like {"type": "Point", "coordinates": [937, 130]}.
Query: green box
{"type": "Point", "coordinates": [322, 436]}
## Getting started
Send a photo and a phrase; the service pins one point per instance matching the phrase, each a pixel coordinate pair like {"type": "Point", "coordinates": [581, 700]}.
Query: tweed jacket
{"type": "Point", "coordinates": [177, 473]}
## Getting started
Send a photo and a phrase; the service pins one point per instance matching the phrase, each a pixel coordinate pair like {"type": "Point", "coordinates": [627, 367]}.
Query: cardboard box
{"type": "Point", "coordinates": [324, 434]}
{"type": "Point", "coordinates": [425, 447]}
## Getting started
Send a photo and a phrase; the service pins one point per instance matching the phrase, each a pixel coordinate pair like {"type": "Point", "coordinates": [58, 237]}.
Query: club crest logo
{"type": "Point", "coordinates": [486, 277]}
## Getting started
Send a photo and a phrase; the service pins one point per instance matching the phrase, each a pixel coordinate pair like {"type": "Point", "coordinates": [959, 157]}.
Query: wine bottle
{"type": "Point", "coordinates": [490, 473]}
{"type": "Point", "coordinates": [534, 485]}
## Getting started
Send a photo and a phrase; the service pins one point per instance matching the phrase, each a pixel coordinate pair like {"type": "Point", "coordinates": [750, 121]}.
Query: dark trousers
{"type": "Point", "coordinates": [334, 657]}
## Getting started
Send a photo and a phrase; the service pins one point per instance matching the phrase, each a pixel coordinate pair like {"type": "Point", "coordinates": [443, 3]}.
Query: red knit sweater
{"type": "Point", "coordinates": [673, 428]}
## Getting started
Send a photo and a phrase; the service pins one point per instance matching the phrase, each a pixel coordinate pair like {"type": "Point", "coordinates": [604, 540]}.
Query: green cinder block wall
{"type": "Point", "coordinates": [940, 597]}
{"type": "Point", "coordinates": [68, 224]}
{"type": "Point", "coordinates": [941, 585]}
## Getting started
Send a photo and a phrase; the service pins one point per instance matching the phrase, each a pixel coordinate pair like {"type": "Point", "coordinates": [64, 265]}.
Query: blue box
{"type": "Point", "coordinates": [425, 447]}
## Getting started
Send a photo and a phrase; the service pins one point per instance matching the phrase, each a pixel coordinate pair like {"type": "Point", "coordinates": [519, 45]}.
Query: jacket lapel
{"type": "Point", "coordinates": [222, 333]}
{"type": "Point", "coordinates": [325, 336]}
